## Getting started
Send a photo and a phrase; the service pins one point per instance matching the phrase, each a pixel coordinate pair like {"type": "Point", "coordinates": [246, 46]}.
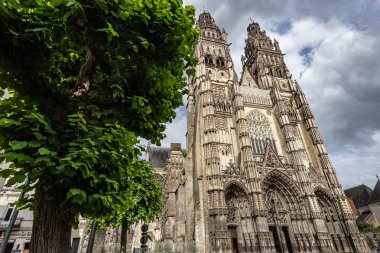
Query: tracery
{"type": "Point", "coordinates": [260, 132]}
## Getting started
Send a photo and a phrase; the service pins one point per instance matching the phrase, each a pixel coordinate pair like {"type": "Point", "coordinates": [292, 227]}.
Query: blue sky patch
{"type": "Point", "coordinates": [283, 27]}
{"type": "Point", "coordinates": [307, 55]}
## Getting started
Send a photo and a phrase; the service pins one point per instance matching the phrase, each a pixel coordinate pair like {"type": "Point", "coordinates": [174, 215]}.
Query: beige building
{"type": "Point", "coordinates": [22, 230]}
{"type": "Point", "coordinates": [255, 175]}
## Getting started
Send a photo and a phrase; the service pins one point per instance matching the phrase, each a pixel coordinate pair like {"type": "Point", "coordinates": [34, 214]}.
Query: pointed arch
{"type": "Point", "coordinates": [260, 131]}
{"type": "Point", "coordinates": [277, 185]}
{"type": "Point", "coordinates": [238, 207]}
{"type": "Point", "coordinates": [208, 60]}
{"type": "Point", "coordinates": [326, 203]}
{"type": "Point", "coordinates": [329, 210]}
{"type": "Point", "coordinates": [235, 184]}
{"type": "Point", "coordinates": [281, 182]}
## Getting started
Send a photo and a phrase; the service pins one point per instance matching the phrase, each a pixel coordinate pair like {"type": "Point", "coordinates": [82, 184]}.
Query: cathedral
{"type": "Point", "coordinates": [255, 175]}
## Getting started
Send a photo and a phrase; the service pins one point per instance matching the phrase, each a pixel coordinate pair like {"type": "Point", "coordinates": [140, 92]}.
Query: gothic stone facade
{"type": "Point", "coordinates": [255, 176]}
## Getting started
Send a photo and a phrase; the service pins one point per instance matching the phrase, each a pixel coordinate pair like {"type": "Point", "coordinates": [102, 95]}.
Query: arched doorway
{"type": "Point", "coordinates": [287, 220]}
{"type": "Point", "coordinates": [238, 216]}
{"type": "Point", "coordinates": [278, 221]}
{"type": "Point", "coordinates": [333, 224]}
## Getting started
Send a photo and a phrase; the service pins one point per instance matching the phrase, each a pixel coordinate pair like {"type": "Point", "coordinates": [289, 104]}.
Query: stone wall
{"type": "Point", "coordinates": [373, 240]}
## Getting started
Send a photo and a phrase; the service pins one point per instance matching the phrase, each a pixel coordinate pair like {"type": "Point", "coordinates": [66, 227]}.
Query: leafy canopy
{"type": "Point", "coordinates": [365, 227]}
{"type": "Point", "coordinates": [88, 77]}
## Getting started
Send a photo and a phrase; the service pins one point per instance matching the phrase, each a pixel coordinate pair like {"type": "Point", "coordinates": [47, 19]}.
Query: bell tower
{"type": "Point", "coordinates": [263, 58]}
{"type": "Point", "coordinates": [209, 138]}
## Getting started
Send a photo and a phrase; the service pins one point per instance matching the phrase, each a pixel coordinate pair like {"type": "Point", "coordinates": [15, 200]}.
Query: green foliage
{"type": "Point", "coordinates": [365, 227]}
{"type": "Point", "coordinates": [88, 77]}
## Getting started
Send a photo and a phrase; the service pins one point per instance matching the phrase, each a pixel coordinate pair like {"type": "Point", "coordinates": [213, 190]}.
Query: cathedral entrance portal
{"type": "Point", "coordinates": [288, 243]}
{"type": "Point", "coordinates": [238, 217]}
{"type": "Point", "coordinates": [284, 211]}
{"type": "Point", "coordinates": [234, 241]}
{"type": "Point", "coordinates": [281, 239]}
{"type": "Point", "coordinates": [277, 241]}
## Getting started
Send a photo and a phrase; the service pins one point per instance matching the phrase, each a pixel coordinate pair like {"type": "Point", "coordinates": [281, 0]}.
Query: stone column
{"type": "Point", "coordinates": [299, 160]}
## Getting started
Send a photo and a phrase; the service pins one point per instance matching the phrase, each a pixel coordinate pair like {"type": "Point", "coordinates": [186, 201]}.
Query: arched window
{"type": "Point", "coordinates": [220, 62]}
{"type": "Point", "coordinates": [208, 60]}
{"type": "Point", "coordinates": [260, 132]}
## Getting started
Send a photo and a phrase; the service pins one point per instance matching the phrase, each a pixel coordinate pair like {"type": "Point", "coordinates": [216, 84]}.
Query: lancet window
{"type": "Point", "coordinates": [208, 60]}
{"type": "Point", "coordinates": [260, 132]}
{"type": "Point", "coordinates": [220, 62]}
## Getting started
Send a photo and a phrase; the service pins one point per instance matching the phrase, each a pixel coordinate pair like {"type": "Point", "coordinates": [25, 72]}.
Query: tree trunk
{"type": "Point", "coordinates": [124, 239]}
{"type": "Point", "coordinates": [51, 227]}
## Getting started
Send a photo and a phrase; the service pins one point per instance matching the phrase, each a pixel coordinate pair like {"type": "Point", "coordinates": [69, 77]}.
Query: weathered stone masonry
{"type": "Point", "coordinates": [255, 176]}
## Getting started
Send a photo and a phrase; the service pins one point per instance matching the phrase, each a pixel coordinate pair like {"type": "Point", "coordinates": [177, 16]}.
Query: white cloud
{"type": "Point", "coordinates": [336, 84]}
{"type": "Point", "coordinates": [175, 131]}
{"type": "Point", "coordinates": [340, 77]}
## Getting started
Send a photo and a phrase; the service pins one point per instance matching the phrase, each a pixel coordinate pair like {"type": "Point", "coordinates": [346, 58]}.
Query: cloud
{"type": "Point", "coordinates": [175, 131]}
{"type": "Point", "coordinates": [332, 48]}
{"type": "Point", "coordinates": [338, 70]}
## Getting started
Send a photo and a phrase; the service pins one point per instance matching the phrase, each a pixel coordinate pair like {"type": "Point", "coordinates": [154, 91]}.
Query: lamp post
{"type": "Point", "coordinates": [144, 238]}
{"type": "Point", "coordinates": [92, 237]}
{"type": "Point", "coordinates": [273, 214]}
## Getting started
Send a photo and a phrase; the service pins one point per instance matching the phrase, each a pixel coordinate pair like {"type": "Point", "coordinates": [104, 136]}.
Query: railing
{"type": "Point", "coordinates": [5, 223]}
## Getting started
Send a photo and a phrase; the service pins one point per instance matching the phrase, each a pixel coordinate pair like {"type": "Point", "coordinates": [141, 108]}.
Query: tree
{"type": "Point", "coordinates": [365, 227]}
{"type": "Point", "coordinates": [87, 78]}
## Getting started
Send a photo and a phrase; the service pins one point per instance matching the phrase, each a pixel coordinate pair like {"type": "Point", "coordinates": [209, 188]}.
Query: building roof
{"type": "Point", "coordinates": [375, 196]}
{"type": "Point", "coordinates": [360, 194]}
{"type": "Point", "coordinates": [364, 216]}
{"type": "Point", "coordinates": [206, 21]}
{"type": "Point", "coordinates": [158, 156]}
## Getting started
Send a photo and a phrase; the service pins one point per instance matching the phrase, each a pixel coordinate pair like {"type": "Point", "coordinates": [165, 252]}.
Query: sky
{"type": "Point", "coordinates": [333, 50]}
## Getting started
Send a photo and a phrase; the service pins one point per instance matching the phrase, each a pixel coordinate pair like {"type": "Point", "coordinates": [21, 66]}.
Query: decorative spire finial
{"type": "Point", "coordinates": [377, 177]}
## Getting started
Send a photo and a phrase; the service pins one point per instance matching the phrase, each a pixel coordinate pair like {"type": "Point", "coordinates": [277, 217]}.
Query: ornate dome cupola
{"type": "Point", "coordinates": [209, 29]}
{"type": "Point", "coordinates": [253, 28]}
{"type": "Point", "coordinates": [263, 57]}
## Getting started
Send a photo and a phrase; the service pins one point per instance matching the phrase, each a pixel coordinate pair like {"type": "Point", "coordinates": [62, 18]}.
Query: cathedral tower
{"type": "Point", "coordinates": [255, 175]}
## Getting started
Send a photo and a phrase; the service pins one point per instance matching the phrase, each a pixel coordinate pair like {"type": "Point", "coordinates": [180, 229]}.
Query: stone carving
{"type": "Point", "coordinates": [220, 100]}
{"type": "Point", "coordinates": [292, 114]}
{"type": "Point", "coordinates": [313, 174]}
{"type": "Point", "coordinates": [221, 123]}
{"type": "Point", "coordinates": [259, 126]}
{"type": "Point", "coordinates": [254, 95]}
{"type": "Point", "coordinates": [276, 208]}
{"type": "Point", "coordinates": [293, 132]}
{"type": "Point", "coordinates": [225, 149]}
{"type": "Point", "coordinates": [272, 160]}
{"type": "Point", "coordinates": [237, 203]}
{"type": "Point", "coordinates": [231, 211]}
{"type": "Point", "coordinates": [233, 170]}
